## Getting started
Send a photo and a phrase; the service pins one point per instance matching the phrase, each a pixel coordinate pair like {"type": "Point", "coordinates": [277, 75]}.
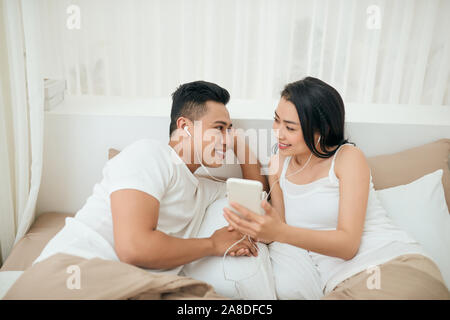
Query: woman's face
{"type": "Point", "coordinates": [288, 129]}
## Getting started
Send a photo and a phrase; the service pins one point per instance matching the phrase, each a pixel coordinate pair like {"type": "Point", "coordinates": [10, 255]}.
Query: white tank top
{"type": "Point", "coordinates": [316, 206]}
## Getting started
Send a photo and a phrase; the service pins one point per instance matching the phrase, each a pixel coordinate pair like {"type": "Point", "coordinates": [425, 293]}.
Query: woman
{"type": "Point", "coordinates": [324, 208]}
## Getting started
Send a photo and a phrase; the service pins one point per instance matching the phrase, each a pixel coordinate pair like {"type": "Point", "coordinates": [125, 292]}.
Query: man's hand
{"type": "Point", "coordinates": [222, 239]}
{"type": "Point", "coordinates": [230, 228]}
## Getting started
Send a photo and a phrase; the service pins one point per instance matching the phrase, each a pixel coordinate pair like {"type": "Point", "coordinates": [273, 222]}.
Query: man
{"type": "Point", "coordinates": [148, 207]}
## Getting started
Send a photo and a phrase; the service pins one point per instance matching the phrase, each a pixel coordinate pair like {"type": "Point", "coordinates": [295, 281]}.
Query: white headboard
{"type": "Point", "coordinates": [77, 139]}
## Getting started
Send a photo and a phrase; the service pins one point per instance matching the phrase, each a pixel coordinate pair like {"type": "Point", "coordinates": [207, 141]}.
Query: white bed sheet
{"type": "Point", "coordinates": [7, 279]}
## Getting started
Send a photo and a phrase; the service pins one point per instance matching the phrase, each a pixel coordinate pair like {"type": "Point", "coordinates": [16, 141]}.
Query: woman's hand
{"type": "Point", "coordinates": [260, 227]}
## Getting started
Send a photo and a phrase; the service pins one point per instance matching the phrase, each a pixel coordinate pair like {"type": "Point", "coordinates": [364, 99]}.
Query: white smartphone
{"type": "Point", "coordinates": [247, 193]}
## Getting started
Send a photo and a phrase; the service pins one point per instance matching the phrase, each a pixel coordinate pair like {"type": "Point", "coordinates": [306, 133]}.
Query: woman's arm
{"type": "Point", "coordinates": [354, 178]}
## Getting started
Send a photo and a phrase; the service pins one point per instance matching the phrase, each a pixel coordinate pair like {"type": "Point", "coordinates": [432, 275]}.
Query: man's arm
{"type": "Point", "coordinates": [250, 165]}
{"type": "Point", "coordinates": [135, 218]}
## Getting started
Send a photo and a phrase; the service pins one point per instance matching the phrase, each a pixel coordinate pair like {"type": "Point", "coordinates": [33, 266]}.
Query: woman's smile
{"type": "Point", "coordinates": [283, 146]}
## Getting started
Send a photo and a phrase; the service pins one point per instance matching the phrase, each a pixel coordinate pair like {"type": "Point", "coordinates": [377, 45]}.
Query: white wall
{"type": "Point", "coordinates": [76, 141]}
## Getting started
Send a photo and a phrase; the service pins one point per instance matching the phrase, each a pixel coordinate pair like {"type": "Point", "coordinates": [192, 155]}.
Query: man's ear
{"type": "Point", "coordinates": [183, 127]}
{"type": "Point", "coordinates": [182, 122]}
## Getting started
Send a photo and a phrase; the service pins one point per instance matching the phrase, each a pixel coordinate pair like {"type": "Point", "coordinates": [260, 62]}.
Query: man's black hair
{"type": "Point", "coordinates": [189, 100]}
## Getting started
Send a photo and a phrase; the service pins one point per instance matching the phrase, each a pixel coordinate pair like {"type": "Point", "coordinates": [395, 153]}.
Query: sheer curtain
{"type": "Point", "coordinates": [21, 120]}
{"type": "Point", "coordinates": [372, 51]}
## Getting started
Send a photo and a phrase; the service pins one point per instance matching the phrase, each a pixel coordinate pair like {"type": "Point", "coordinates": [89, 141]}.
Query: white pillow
{"type": "Point", "coordinates": [256, 272]}
{"type": "Point", "coordinates": [420, 209]}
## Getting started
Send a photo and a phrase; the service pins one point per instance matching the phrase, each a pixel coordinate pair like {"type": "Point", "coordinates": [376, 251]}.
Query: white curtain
{"type": "Point", "coordinates": [373, 51]}
{"type": "Point", "coordinates": [21, 120]}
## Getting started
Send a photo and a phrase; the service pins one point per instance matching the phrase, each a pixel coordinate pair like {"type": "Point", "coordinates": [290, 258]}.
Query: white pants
{"type": "Point", "coordinates": [295, 274]}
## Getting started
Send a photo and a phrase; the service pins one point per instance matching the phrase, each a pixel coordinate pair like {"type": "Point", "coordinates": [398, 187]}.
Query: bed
{"type": "Point", "coordinates": [29, 247]}
{"type": "Point", "coordinates": [388, 171]}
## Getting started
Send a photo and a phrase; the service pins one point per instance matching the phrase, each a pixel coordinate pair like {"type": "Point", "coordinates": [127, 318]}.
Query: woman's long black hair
{"type": "Point", "coordinates": [320, 109]}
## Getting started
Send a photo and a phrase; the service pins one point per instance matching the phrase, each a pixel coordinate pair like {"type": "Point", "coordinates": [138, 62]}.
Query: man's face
{"type": "Point", "coordinates": [211, 135]}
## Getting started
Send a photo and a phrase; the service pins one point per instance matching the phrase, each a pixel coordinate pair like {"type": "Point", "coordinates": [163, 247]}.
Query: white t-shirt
{"type": "Point", "coordinates": [154, 168]}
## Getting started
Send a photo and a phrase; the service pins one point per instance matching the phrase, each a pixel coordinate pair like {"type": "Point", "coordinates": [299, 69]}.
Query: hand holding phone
{"type": "Point", "coordinates": [245, 192]}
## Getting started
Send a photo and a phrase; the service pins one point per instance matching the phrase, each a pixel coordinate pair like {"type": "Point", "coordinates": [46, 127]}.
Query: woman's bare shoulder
{"type": "Point", "coordinates": [350, 158]}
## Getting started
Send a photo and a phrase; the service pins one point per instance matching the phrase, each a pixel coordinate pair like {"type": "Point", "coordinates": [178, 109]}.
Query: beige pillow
{"type": "Point", "coordinates": [403, 167]}
{"type": "Point", "coordinates": [45, 227]}
{"type": "Point", "coordinates": [112, 153]}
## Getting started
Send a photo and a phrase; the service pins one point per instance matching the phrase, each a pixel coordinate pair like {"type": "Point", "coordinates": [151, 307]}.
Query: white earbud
{"type": "Point", "coordinates": [187, 131]}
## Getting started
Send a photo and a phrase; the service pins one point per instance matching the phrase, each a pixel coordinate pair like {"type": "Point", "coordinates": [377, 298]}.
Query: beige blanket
{"type": "Point", "coordinates": [63, 277]}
